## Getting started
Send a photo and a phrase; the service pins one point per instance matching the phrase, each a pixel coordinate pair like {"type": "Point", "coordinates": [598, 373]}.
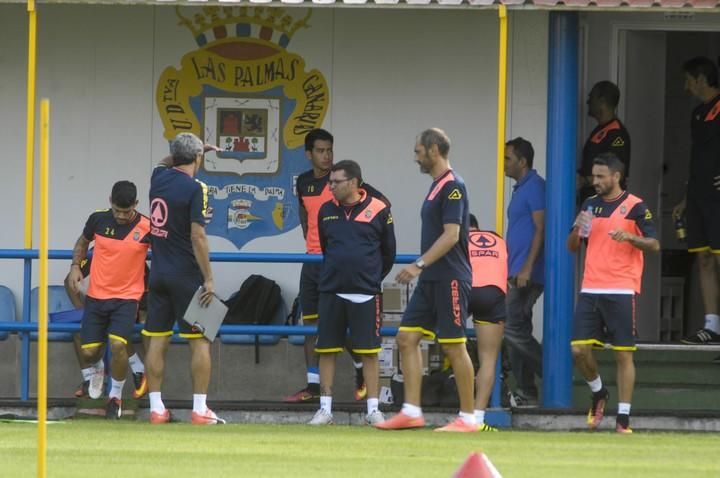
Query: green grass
{"type": "Point", "coordinates": [130, 449]}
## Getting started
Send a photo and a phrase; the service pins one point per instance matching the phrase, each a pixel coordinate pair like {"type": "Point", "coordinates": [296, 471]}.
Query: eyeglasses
{"type": "Point", "coordinates": [335, 182]}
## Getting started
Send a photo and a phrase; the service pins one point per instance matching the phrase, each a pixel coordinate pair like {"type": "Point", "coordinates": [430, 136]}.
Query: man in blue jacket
{"type": "Point", "coordinates": [357, 239]}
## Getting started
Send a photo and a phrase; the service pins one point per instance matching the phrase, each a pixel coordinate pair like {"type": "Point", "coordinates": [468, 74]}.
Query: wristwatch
{"type": "Point", "coordinates": [419, 263]}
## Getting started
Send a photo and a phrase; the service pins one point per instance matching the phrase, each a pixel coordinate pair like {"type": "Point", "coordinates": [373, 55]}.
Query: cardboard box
{"type": "Point", "coordinates": [385, 395]}
{"type": "Point", "coordinates": [435, 357]}
{"type": "Point", "coordinates": [395, 297]}
{"type": "Point", "coordinates": [391, 319]}
{"type": "Point", "coordinates": [388, 357]}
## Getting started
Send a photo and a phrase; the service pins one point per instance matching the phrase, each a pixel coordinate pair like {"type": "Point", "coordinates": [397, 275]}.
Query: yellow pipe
{"type": "Point", "coordinates": [30, 133]}
{"type": "Point", "coordinates": [501, 119]}
{"type": "Point", "coordinates": [43, 289]}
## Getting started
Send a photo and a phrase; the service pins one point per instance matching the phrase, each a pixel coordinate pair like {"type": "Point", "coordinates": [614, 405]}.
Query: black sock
{"type": "Point", "coordinates": [623, 419]}
{"type": "Point", "coordinates": [314, 388]}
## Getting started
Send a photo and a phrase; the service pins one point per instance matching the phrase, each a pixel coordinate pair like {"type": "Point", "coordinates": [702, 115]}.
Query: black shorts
{"type": "Point", "coordinates": [438, 308]}
{"type": "Point", "coordinates": [309, 295]}
{"type": "Point", "coordinates": [605, 318]}
{"type": "Point", "coordinates": [168, 300]}
{"type": "Point", "coordinates": [487, 305]}
{"type": "Point", "coordinates": [339, 315]}
{"type": "Point", "coordinates": [107, 318]}
{"type": "Point", "coordinates": [703, 225]}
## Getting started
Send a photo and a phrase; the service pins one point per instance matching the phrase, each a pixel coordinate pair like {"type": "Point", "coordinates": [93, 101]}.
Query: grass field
{"type": "Point", "coordinates": [129, 449]}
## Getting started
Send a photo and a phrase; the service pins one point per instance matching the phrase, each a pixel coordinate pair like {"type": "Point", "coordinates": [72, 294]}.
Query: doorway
{"type": "Point", "coordinates": [656, 110]}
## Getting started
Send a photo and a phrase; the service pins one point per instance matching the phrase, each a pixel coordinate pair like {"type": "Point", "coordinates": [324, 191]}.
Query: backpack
{"type": "Point", "coordinates": [256, 302]}
{"type": "Point", "coordinates": [295, 314]}
{"type": "Point", "coordinates": [439, 390]}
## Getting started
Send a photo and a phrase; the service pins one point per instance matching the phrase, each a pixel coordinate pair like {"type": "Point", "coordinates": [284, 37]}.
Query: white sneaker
{"type": "Point", "coordinates": [95, 389]}
{"type": "Point", "coordinates": [374, 417]}
{"type": "Point", "coordinates": [321, 418]}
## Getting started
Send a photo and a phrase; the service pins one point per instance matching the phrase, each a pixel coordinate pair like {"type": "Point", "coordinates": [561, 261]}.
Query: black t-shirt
{"type": "Point", "coordinates": [611, 137]}
{"type": "Point", "coordinates": [705, 150]}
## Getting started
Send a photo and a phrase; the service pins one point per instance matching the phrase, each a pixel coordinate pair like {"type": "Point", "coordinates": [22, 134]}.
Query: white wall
{"type": "Point", "coordinates": [391, 73]}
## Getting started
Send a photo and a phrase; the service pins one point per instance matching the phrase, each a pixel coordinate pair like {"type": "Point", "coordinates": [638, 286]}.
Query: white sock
{"type": "Point", "coordinates": [595, 385]}
{"type": "Point", "coordinates": [372, 405]}
{"type": "Point", "coordinates": [413, 411]}
{"type": "Point", "coordinates": [136, 364]}
{"type": "Point", "coordinates": [326, 403]}
{"type": "Point", "coordinates": [623, 408]}
{"type": "Point", "coordinates": [357, 364]}
{"type": "Point", "coordinates": [468, 418]}
{"type": "Point", "coordinates": [116, 387]}
{"type": "Point", "coordinates": [712, 322]}
{"type": "Point", "coordinates": [479, 417]}
{"type": "Point", "coordinates": [156, 403]}
{"type": "Point", "coordinates": [87, 373]}
{"type": "Point", "coordinates": [199, 405]}
{"type": "Point", "coordinates": [100, 366]}
{"type": "Point", "coordinates": [313, 377]}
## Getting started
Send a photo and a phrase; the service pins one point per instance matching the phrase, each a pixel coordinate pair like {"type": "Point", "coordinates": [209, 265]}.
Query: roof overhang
{"type": "Point", "coordinates": [564, 5]}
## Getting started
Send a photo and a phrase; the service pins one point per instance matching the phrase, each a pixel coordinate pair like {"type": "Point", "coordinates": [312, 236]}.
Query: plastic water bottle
{"type": "Point", "coordinates": [585, 228]}
{"type": "Point", "coordinates": [680, 231]}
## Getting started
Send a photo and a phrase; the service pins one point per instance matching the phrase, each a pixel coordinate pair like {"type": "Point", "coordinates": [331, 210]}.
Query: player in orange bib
{"type": "Point", "coordinates": [489, 263]}
{"type": "Point", "coordinates": [117, 282]}
{"type": "Point", "coordinates": [616, 233]}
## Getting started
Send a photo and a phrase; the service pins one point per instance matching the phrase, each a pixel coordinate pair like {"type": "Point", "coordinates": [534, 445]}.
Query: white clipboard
{"type": "Point", "coordinates": [206, 320]}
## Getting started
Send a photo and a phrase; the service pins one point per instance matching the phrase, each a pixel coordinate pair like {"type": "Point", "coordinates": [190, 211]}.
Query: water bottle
{"type": "Point", "coordinates": [680, 232]}
{"type": "Point", "coordinates": [585, 228]}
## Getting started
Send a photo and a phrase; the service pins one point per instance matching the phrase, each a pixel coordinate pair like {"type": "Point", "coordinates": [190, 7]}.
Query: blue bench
{"type": "Point", "coordinates": [262, 339]}
{"type": "Point", "coordinates": [58, 301]}
{"type": "Point", "coordinates": [7, 308]}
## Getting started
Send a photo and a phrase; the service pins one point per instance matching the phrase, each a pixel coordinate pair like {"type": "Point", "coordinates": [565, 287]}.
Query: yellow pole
{"type": "Point", "coordinates": [501, 119]}
{"type": "Point", "coordinates": [43, 298]}
{"type": "Point", "coordinates": [30, 128]}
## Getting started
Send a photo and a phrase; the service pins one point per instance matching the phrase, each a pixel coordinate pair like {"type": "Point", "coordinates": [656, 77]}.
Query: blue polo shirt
{"type": "Point", "coordinates": [528, 196]}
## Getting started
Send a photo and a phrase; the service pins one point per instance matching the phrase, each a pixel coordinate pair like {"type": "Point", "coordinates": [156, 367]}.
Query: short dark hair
{"type": "Point", "coordinates": [608, 92]}
{"type": "Point", "coordinates": [438, 137]}
{"type": "Point", "coordinates": [523, 150]}
{"type": "Point", "coordinates": [124, 194]}
{"type": "Point", "coordinates": [351, 169]}
{"type": "Point", "coordinates": [704, 66]}
{"type": "Point", "coordinates": [612, 162]}
{"type": "Point", "coordinates": [315, 135]}
{"type": "Point", "coordinates": [474, 222]}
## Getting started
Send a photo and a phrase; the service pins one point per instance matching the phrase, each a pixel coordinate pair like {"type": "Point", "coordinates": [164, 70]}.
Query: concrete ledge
{"type": "Point", "coordinates": [239, 412]}
{"type": "Point", "coordinates": [576, 421]}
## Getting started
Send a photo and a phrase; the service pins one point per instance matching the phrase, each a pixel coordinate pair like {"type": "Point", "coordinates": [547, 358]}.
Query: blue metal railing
{"type": "Point", "coordinates": [25, 327]}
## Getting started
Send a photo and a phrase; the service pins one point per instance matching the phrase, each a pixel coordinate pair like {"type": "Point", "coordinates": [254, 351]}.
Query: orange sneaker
{"type": "Point", "coordinates": [622, 424]}
{"type": "Point", "coordinates": [597, 409]}
{"type": "Point", "coordinates": [360, 392]}
{"type": "Point", "coordinates": [141, 387]}
{"type": "Point", "coordinates": [208, 417]}
{"type": "Point", "coordinates": [458, 425]}
{"type": "Point", "coordinates": [159, 418]}
{"type": "Point", "coordinates": [307, 394]}
{"type": "Point", "coordinates": [401, 422]}
{"type": "Point", "coordinates": [360, 387]}
{"type": "Point", "coordinates": [625, 430]}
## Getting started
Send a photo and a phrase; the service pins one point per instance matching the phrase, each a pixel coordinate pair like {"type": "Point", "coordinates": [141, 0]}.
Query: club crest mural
{"type": "Point", "coordinates": [244, 91]}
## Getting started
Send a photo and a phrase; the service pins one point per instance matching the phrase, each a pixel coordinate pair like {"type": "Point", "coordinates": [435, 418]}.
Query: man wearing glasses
{"type": "Point", "coordinates": [357, 240]}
